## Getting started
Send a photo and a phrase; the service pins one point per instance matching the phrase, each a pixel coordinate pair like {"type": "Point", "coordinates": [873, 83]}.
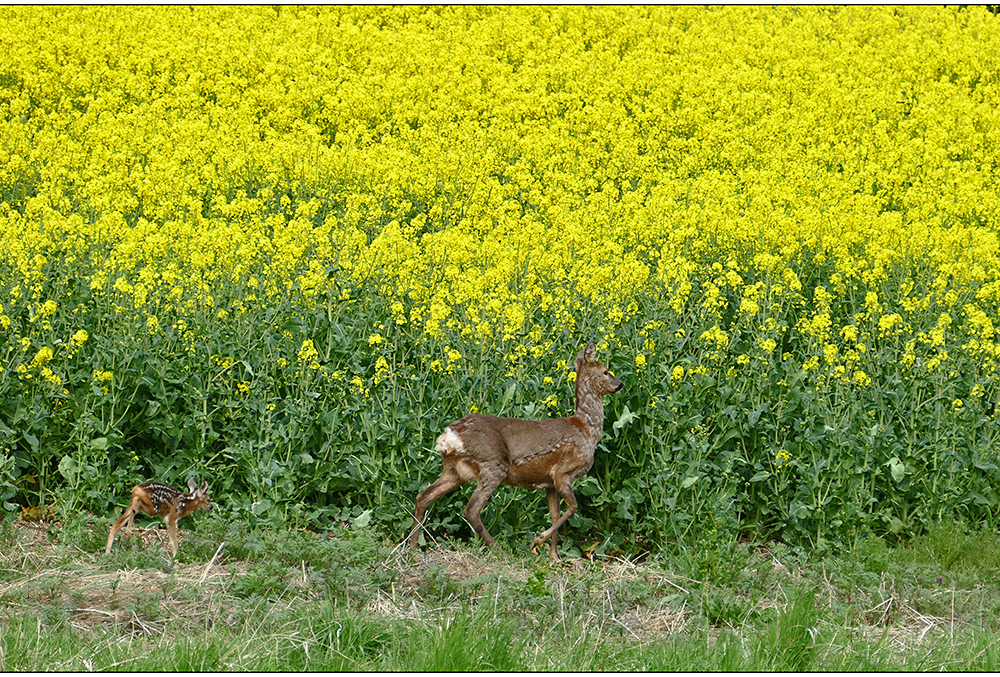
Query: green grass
{"type": "Point", "coordinates": [287, 600]}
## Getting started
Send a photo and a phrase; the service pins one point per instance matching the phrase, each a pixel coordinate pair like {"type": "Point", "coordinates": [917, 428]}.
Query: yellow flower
{"type": "Point", "coordinates": [79, 338]}
{"type": "Point", "coordinates": [381, 370]}
{"type": "Point", "coordinates": [102, 379]}
{"type": "Point", "coordinates": [47, 310]}
{"type": "Point", "coordinates": [717, 337]}
{"type": "Point", "coordinates": [782, 460]}
{"type": "Point", "coordinates": [358, 386]}
{"type": "Point", "coordinates": [308, 353]}
{"type": "Point", "coordinates": [871, 304]}
{"type": "Point", "coordinates": [42, 357]}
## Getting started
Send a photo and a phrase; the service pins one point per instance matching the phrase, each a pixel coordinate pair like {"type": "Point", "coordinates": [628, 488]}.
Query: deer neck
{"type": "Point", "coordinates": [589, 408]}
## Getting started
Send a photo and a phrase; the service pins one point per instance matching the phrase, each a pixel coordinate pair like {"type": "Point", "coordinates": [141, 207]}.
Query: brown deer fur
{"type": "Point", "coordinates": [549, 454]}
{"type": "Point", "coordinates": [159, 500]}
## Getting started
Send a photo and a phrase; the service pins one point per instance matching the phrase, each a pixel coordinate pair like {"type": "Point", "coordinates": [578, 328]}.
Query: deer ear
{"type": "Point", "coordinates": [204, 487]}
{"type": "Point", "coordinates": [590, 352]}
{"type": "Point", "coordinates": [192, 485]}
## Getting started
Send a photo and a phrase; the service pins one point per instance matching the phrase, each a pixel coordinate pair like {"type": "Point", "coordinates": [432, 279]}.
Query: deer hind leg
{"type": "Point", "coordinates": [487, 485]}
{"type": "Point", "coordinates": [448, 481]}
{"type": "Point", "coordinates": [565, 489]}
{"type": "Point", "coordinates": [553, 497]}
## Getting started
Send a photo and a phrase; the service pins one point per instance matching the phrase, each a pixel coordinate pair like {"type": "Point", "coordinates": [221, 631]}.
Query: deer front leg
{"type": "Point", "coordinates": [565, 490]}
{"type": "Point", "coordinates": [553, 497]}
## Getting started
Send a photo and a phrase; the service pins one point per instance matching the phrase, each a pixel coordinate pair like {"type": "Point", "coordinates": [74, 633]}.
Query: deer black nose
{"type": "Point", "coordinates": [620, 386]}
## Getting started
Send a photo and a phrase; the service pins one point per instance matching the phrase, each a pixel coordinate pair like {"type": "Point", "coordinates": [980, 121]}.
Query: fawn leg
{"type": "Point", "coordinates": [448, 481]}
{"type": "Point", "coordinates": [565, 490]}
{"type": "Point", "coordinates": [171, 522]}
{"type": "Point", "coordinates": [487, 485]}
{"type": "Point", "coordinates": [554, 512]}
{"type": "Point", "coordinates": [129, 515]}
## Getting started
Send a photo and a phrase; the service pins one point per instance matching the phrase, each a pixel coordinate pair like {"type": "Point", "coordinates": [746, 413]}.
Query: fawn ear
{"type": "Point", "coordinates": [192, 485]}
{"type": "Point", "coordinates": [204, 487]}
{"type": "Point", "coordinates": [590, 352]}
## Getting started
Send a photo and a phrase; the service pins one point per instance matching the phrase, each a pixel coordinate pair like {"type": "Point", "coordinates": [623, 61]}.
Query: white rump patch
{"type": "Point", "coordinates": [450, 443]}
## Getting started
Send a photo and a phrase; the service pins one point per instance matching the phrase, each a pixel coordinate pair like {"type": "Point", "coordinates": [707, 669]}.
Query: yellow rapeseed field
{"type": "Point", "coordinates": [724, 192]}
{"type": "Point", "coordinates": [504, 161]}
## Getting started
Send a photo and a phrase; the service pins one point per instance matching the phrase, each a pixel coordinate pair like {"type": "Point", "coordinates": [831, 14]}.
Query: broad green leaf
{"type": "Point", "coordinates": [623, 420]}
{"type": "Point", "coordinates": [68, 467]}
{"type": "Point", "coordinates": [897, 469]}
{"type": "Point", "coordinates": [362, 520]}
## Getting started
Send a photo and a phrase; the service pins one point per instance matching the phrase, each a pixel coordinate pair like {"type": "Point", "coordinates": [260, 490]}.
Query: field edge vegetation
{"type": "Point", "coordinates": [345, 600]}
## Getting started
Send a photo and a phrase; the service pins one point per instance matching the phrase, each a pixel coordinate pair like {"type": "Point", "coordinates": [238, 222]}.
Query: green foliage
{"type": "Point", "coordinates": [789, 642]}
{"type": "Point", "coordinates": [763, 452]}
{"type": "Point", "coordinates": [467, 642]}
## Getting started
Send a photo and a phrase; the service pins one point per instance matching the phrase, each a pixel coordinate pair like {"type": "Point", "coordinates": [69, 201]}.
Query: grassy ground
{"type": "Point", "coordinates": [293, 600]}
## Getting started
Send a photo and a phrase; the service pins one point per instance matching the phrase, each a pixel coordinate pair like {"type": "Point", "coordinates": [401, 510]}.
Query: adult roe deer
{"type": "Point", "coordinates": [159, 500]}
{"type": "Point", "coordinates": [549, 454]}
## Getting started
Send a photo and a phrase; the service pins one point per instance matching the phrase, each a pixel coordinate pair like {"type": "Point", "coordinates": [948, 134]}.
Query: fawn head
{"type": "Point", "coordinates": [197, 499]}
{"type": "Point", "coordinates": [593, 375]}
